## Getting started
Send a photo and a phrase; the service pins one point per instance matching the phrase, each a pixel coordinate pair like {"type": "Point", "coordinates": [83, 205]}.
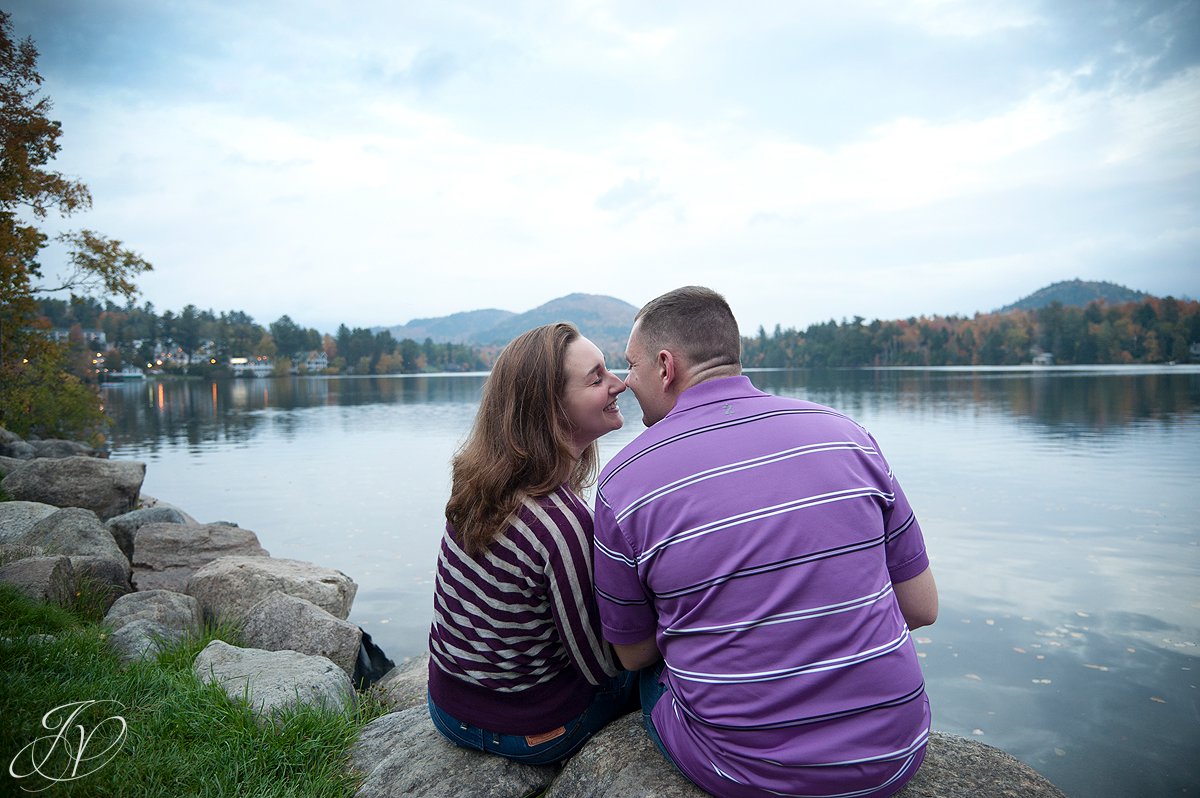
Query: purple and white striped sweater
{"type": "Point", "coordinates": [515, 644]}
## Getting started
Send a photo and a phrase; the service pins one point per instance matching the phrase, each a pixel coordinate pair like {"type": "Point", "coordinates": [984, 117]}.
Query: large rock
{"type": "Point", "coordinates": [403, 754]}
{"type": "Point", "coordinates": [106, 487]}
{"type": "Point", "coordinates": [17, 518]}
{"type": "Point", "coordinates": [956, 767]}
{"type": "Point", "coordinates": [165, 556]}
{"type": "Point", "coordinates": [8, 464]}
{"type": "Point", "coordinates": [124, 527]}
{"type": "Point", "coordinates": [48, 579]}
{"type": "Point", "coordinates": [95, 556]}
{"type": "Point", "coordinates": [406, 685]}
{"type": "Point", "coordinates": [56, 448]}
{"type": "Point", "coordinates": [18, 450]}
{"type": "Point", "coordinates": [622, 762]}
{"type": "Point", "coordinates": [273, 681]}
{"type": "Point", "coordinates": [149, 502]}
{"type": "Point", "coordinates": [229, 587]}
{"type": "Point", "coordinates": [145, 623]}
{"type": "Point", "coordinates": [282, 622]}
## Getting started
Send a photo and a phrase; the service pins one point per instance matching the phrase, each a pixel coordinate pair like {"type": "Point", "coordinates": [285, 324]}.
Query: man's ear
{"type": "Point", "coordinates": [667, 369]}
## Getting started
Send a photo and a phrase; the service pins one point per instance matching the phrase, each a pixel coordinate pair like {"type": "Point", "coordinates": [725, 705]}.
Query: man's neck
{"type": "Point", "coordinates": [705, 372]}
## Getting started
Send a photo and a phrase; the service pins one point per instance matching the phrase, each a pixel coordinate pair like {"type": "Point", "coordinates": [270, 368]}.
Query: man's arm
{"type": "Point", "coordinates": [918, 600]}
{"type": "Point", "coordinates": [636, 656]}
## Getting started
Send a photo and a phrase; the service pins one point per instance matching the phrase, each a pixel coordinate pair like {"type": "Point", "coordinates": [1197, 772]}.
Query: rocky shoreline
{"type": "Point", "coordinates": [75, 515]}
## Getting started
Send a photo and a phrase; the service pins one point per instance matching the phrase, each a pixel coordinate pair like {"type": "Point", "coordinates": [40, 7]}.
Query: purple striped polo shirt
{"type": "Point", "coordinates": [515, 645]}
{"type": "Point", "coordinates": [758, 539]}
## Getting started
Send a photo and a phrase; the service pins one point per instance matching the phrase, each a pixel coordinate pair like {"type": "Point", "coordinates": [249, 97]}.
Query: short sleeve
{"type": "Point", "coordinates": [626, 613]}
{"type": "Point", "coordinates": [904, 544]}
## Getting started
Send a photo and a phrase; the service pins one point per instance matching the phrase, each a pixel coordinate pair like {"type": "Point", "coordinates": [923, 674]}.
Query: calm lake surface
{"type": "Point", "coordinates": [1061, 508]}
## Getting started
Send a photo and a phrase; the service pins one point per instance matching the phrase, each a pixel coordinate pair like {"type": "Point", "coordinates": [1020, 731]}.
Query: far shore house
{"type": "Point", "coordinates": [260, 366]}
{"type": "Point", "coordinates": [314, 361]}
{"type": "Point", "coordinates": [1043, 359]}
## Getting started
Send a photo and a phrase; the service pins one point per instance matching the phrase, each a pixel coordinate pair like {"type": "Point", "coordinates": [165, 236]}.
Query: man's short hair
{"type": "Point", "coordinates": [694, 322]}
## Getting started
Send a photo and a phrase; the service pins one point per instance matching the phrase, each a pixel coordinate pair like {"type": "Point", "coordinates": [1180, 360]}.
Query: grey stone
{"type": "Point", "coordinates": [282, 622]}
{"type": "Point", "coordinates": [124, 527]}
{"type": "Point", "coordinates": [17, 518]}
{"type": "Point", "coordinates": [403, 754]}
{"type": "Point", "coordinates": [18, 450]}
{"type": "Point", "coordinates": [148, 502]}
{"type": "Point", "coordinates": [96, 559]}
{"type": "Point", "coordinates": [9, 464]}
{"type": "Point", "coordinates": [273, 681]}
{"type": "Point", "coordinates": [7, 436]}
{"type": "Point", "coordinates": [142, 639]}
{"type": "Point", "coordinates": [49, 579]}
{"type": "Point", "coordinates": [405, 685]}
{"type": "Point", "coordinates": [172, 610]}
{"type": "Point", "coordinates": [165, 556]}
{"type": "Point", "coordinates": [57, 449]}
{"type": "Point", "coordinates": [621, 760]}
{"type": "Point", "coordinates": [230, 586]}
{"type": "Point", "coordinates": [956, 767]}
{"type": "Point", "coordinates": [106, 487]}
{"type": "Point", "coordinates": [72, 531]}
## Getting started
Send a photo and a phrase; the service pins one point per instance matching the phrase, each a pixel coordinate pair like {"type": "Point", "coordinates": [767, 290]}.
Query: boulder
{"type": "Point", "coordinates": [17, 518]}
{"type": "Point", "coordinates": [273, 681]}
{"type": "Point", "coordinates": [95, 556]}
{"type": "Point", "coordinates": [49, 579]}
{"type": "Point", "coordinates": [406, 685]}
{"type": "Point", "coordinates": [956, 767]}
{"type": "Point", "coordinates": [282, 622]}
{"type": "Point", "coordinates": [622, 762]}
{"type": "Point", "coordinates": [173, 610]}
{"type": "Point", "coordinates": [403, 754]}
{"type": "Point", "coordinates": [230, 586]}
{"type": "Point", "coordinates": [10, 464]}
{"type": "Point", "coordinates": [165, 556]}
{"type": "Point", "coordinates": [18, 450]}
{"type": "Point", "coordinates": [124, 527]}
{"type": "Point", "coordinates": [148, 502]}
{"type": "Point", "coordinates": [142, 639]}
{"type": "Point", "coordinates": [57, 449]}
{"type": "Point", "coordinates": [7, 436]}
{"type": "Point", "coordinates": [144, 623]}
{"type": "Point", "coordinates": [106, 487]}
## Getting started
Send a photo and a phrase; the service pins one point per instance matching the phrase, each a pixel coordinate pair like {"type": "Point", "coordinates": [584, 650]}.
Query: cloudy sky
{"type": "Point", "coordinates": [373, 162]}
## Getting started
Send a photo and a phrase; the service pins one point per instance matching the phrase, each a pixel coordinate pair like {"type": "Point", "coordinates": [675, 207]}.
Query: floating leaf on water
{"type": "Point", "coordinates": [922, 654]}
{"type": "Point", "coordinates": [990, 622]}
{"type": "Point", "coordinates": [1019, 650]}
{"type": "Point", "coordinates": [923, 640]}
{"type": "Point", "coordinates": [1076, 635]}
{"type": "Point", "coordinates": [386, 620]}
{"type": "Point", "coordinates": [977, 732]}
{"type": "Point", "coordinates": [1131, 650]}
{"type": "Point", "coordinates": [973, 677]}
{"type": "Point", "coordinates": [1157, 700]}
{"type": "Point", "coordinates": [1040, 681]}
{"type": "Point", "coordinates": [1095, 667]}
{"type": "Point", "coordinates": [966, 620]}
{"type": "Point", "coordinates": [1060, 752]}
{"type": "Point", "coordinates": [1082, 614]}
{"type": "Point", "coordinates": [1041, 656]}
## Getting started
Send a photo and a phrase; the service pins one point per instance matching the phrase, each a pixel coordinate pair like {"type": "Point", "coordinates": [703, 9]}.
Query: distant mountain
{"type": "Point", "coordinates": [1078, 293]}
{"type": "Point", "coordinates": [603, 319]}
{"type": "Point", "coordinates": [457, 328]}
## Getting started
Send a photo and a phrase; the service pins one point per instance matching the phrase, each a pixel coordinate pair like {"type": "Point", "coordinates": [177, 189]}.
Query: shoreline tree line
{"type": "Point", "coordinates": [1154, 330]}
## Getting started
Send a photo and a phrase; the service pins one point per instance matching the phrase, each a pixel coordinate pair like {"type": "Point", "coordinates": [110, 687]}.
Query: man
{"type": "Point", "coordinates": [761, 547]}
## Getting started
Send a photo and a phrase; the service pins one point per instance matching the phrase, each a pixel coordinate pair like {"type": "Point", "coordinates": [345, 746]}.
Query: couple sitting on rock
{"type": "Point", "coordinates": [750, 577]}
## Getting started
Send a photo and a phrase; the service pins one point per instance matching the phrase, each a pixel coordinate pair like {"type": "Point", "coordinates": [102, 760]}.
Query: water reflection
{"type": "Point", "coordinates": [1059, 505]}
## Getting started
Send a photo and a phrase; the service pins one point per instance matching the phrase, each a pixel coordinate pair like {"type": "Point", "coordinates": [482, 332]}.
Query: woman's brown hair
{"type": "Point", "coordinates": [520, 444]}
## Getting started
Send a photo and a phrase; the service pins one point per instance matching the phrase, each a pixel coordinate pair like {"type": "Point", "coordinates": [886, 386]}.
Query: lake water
{"type": "Point", "coordinates": [1061, 509]}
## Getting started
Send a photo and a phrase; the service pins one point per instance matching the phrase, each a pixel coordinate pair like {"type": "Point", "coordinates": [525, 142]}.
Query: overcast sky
{"type": "Point", "coordinates": [373, 162]}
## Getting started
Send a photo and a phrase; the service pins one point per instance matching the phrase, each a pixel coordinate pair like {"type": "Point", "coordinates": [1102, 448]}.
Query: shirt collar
{"type": "Point", "coordinates": [715, 390]}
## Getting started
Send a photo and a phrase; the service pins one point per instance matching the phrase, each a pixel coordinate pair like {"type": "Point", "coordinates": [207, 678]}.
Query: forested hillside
{"type": "Point", "coordinates": [1150, 331]}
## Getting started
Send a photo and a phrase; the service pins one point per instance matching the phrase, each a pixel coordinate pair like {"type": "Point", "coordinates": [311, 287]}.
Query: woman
{"type": "Point", "coordinates": [517, 664]}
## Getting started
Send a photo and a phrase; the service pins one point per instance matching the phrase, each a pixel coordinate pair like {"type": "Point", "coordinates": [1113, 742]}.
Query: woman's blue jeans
{"type": "Point", "coordinates": [612, 700]}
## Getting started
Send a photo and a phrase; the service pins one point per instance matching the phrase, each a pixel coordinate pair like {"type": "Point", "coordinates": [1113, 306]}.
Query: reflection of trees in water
{"type": "Point", "coordinates": [193, 413]}
{"type": "Point", "coordinates": [1091, 401]}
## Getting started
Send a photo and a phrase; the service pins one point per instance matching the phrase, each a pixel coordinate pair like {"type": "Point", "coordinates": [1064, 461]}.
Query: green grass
{"type": "Point", "coordinates": [183, 737]}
